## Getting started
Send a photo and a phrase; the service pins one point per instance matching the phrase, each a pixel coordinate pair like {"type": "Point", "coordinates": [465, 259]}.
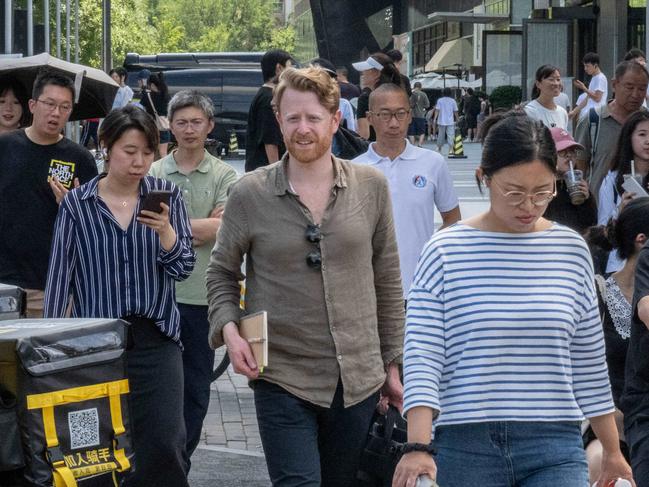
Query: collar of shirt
{"type": "Point", "coordinates": [91, 188]}
{"type": "Point", "coordinates": [409, 153]}
{"type": "Point", "coordinates": [282, 185]}
{"type": "Point", "coordinates": [604, 111]}
{"type": "Point", "coordinates": [170, 166]}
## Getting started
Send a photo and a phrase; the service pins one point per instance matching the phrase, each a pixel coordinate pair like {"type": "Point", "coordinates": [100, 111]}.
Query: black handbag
{"type": "Point", "coordinates": [382, 450]}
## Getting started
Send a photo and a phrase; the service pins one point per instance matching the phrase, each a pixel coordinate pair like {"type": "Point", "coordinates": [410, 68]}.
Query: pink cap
{"type": "Point", "coordinates": [563, 140]}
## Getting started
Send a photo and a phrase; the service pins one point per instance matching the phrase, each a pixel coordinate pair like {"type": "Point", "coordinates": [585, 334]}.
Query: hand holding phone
{"type": "Point", "coordinates": [152, 200]}
{"type": "Point", "coordinates": [159, 221]}
{"type": "Point", "coordinates": [631, 185]}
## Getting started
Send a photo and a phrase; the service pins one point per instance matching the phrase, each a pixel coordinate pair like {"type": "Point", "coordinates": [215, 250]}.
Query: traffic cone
{"type": "Point", "coordinates": [233, 147]}
{"type": "Point", "coordinates": [458, 149]}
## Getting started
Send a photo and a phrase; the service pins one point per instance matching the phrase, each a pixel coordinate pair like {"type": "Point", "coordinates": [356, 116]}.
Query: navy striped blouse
{"type": "Point", "coordinates": [505, 327]}
{"type": "Point", "coordinates": [112, 273]}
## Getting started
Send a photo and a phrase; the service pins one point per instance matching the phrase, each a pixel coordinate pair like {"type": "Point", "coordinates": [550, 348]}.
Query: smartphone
{"type": "Point", "coordinates": [153, 199]}
{"type": "Point", "coordinates": [632, 185]}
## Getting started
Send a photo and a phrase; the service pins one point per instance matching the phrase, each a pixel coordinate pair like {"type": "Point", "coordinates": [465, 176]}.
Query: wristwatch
{"type": "Point", "coordinates": [410, 447]}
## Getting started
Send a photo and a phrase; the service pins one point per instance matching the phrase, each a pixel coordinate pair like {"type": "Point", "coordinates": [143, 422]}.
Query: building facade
{"type": "Point", "coordinates": [501, 41]}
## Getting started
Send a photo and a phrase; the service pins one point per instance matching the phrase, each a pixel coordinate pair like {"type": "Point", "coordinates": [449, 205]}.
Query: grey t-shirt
{"type": "Point", "coordinates": [419, 103]}
{"type": "Point", "coordinates": [602, 148]}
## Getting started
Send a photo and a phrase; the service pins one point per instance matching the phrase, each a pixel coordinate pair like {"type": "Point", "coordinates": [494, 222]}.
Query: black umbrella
{"type": "Point", "coordinates": [95, 89]}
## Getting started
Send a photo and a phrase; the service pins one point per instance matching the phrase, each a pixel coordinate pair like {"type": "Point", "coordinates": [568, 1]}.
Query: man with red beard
{"type": "Point", "coordinates": [322, 260]}
{"type": "Point", "coordinates": [37, 167]}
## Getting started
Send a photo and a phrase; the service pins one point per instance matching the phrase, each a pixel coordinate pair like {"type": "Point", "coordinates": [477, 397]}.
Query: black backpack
{"type": "Point", "coordinates": [349, 144]}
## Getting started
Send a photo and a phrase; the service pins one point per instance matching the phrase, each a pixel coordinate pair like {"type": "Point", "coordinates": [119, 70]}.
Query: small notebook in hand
{"type": "Point", "coordinates": [254, 329]}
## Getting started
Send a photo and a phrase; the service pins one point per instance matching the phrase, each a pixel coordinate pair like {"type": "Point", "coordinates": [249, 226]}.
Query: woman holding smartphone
{"type": "Point", "coordinates": [117, 260]}
{"type": "Point", "coordinates": [504, 348]}
{"type": "Point", "coordinates": [632, 148]}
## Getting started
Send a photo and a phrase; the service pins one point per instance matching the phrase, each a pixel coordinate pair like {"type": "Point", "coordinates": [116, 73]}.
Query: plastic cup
{"type": "Point", "coordinates": [576, 193]}
{"type": "Point", "coordinates": [425, 481]}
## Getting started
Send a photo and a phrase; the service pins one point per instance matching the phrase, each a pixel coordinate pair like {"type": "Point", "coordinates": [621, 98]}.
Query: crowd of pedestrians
{"type": "Point", "coordinates": [514, 342]}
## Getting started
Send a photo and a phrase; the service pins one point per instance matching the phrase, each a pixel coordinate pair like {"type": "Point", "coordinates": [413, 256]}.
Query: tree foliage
{"type": "Point", "coordinates": [152, 26]}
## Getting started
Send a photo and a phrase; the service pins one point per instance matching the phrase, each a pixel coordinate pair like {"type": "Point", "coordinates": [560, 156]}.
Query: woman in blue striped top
{"type": "Point", "coordinates": [118, 261]}
{"type": "Point", "coordinates": [504, 347]}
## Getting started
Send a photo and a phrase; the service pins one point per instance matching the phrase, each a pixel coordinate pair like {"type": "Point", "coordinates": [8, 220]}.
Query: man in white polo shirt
{"type": "Point", "coordinates": [418, 178]}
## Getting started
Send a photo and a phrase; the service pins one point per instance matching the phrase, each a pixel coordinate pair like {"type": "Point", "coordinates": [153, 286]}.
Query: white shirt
{"type": "Point", "coordinates": [446, 106]}
{"type": "Point", "coordinates": [607, 208]}
{"type": "Point", "coordinates": [419, 181]}
{"type": "Point", "coordinates": [347, 112]}
{"type": "Point", "coordinates": [123, 96]}
{"type": "Point", "coordinates": [597, 83]}
{"type": "Point", "coordinates": [583, 111]}
{"type": "Point", "coordinates": [550, 118]}
{"type": "Point", "coordinates": [563, 101]}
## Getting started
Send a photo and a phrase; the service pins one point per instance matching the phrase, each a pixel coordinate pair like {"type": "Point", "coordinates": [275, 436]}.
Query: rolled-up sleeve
{"type": "Point", "coordinates": [178, 262]}
{"type": "Point", "coordinates": [63, 258]}
{"type": "Point", "coordinates": [387, 280]}
{"type": "Point", "coordinates": [224, 270]}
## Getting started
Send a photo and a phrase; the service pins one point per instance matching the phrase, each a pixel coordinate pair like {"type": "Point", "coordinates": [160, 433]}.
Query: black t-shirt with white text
{"type": "Point", "coordinates": [635, 399]}
{"type": "Point", "coordinates": [263, 129]}
{"type": "Point", "coordinates": [27, 205]}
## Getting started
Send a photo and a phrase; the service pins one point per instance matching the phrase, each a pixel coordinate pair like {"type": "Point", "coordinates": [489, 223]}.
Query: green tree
{"type": "Point", "coordinates": [281, 38]}
{"type": "Point", "coordinates": [152, 26]}
{"type": "Point", "coordinates": [130, 29]}
{"type": "Point", "coordinates": [224, 25]}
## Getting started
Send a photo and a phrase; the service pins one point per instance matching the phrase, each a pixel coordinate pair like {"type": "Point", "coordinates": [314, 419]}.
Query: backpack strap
{"type": "Point", "coordinates": [61, 473]}
{"type": "Point", "coordinates": [593, 122]}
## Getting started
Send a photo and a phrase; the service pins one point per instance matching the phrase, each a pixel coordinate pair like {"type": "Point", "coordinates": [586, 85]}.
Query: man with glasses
{"type": "Point", "coordinates": [321, 259]}
{"type": "Point", "coordinates": [204, 181]}
{"type": "Point", "coordinates": [37, 167]}
{"type": "Point", "coordinates": [419, 179]}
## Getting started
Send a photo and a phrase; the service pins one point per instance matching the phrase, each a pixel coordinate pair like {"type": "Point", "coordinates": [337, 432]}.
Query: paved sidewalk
{"type": "Point", "coordinates": [231, 421]}
{"type": "Point", "coordinates": [229, 453]}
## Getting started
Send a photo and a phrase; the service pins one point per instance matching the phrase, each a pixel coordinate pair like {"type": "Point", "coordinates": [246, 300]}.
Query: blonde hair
{"type": "Point", "coordinates": [311, 79]}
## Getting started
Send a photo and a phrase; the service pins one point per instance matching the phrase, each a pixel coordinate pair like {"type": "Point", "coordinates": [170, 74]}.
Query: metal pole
{"type": "Point", "coordinates": [106, 45]}
{"type": "Point", "coordinates": [58, 28]}
{"type": "Point", "coordinates": [30, 27]}
{"type": "Point", "coordinates": [646, 37]}
{"type": "Point", "coordinates": [76, 31]}
{"type": "Point", "coordinates": [8, 27]}
{"type": "Point", "coordinates": [67, 30]}
{"type": "Point", "coordinates": [46, 22]}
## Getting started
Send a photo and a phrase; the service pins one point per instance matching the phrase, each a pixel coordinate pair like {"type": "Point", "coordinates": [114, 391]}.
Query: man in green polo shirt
{"type": "Point", "coordinates": [204, 181]}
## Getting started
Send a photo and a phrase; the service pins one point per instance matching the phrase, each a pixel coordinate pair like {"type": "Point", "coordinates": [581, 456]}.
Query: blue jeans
{"type": "Point", "coordinates": [511, 454]}
{"type": "Point", "coordinates": [308, 445]}
{"type": "Point", "coordinates": [198, 363]}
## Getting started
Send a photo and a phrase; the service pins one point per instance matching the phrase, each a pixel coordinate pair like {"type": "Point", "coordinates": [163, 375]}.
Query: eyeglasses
{"type": "Point", "coordinates": [313, 235]}
{"type": "Point", "coordinates": [196, 124]}
{"type": "Point", "coordinates": [515, 198]}
{"type": "Point", "coordinates": [50, 106]}
{"type": "Point", "coordinates": [386, 115]}
{"type": "Point", "coordinates": [568, 153]}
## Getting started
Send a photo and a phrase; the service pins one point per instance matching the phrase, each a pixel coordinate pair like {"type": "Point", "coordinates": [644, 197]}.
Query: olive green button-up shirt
{"type": "Point", "coordinates": [203, 189]}
{"type": "Point", "coordinates": [342, 320]}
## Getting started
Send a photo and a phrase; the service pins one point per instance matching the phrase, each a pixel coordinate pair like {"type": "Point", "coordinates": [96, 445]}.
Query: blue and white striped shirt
{"type": "Point", "coordinates": [112, 272]}
{"type": "Point", "coordinates": [505, 327]}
